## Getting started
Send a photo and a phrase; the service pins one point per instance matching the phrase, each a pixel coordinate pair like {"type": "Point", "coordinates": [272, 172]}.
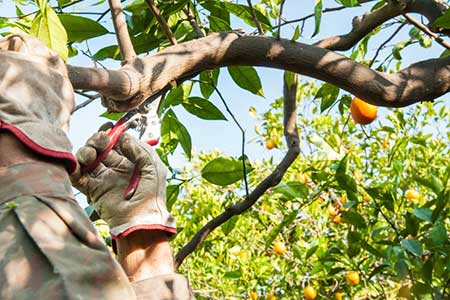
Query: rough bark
{"type": "Point", "coordinates": [145, 77]}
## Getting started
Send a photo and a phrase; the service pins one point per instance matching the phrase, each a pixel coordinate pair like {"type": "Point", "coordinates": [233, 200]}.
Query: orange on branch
{"type": "Point", "coordinates": [353, 278]}
{"type": "Point", "coordinates": [337, 219]}
{"type": "Point", "coordinates": [271, 296]}
{"type": "Point", "coordinates": [270, 144]}
{"type": "Point", "coordinates": [362, 112]}
{"type": "Point", "coordinates": [338, 296]}
{"type": "Point", "coordinates": [310, 293]}
{"type": "Point", "coordinates": [332, 212]}
{"type": "Point", "coordinates": [253, 295]}
{"type": "Point", "coordinates": [412, 195]}
{"type": "Point", "coordinates": [279, 248]}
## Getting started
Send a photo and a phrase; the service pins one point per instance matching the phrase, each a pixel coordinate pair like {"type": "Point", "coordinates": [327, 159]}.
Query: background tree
{"type": "Point", "coordinates": [348, 212]}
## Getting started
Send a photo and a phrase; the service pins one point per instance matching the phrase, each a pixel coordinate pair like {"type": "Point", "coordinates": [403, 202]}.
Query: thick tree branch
{"type": "Point", "coordinates": [120, 25]}
{"type": "Point", "coordinates": [431, 9]}
{"type": "Point", "coordinates": [427, 31]}
{"type": "Point", "coordinates": [291, 134]}
{"type": "Point", "coordinates": [157, 14]}
{"type": "Point", "coordinates": [143, 78]}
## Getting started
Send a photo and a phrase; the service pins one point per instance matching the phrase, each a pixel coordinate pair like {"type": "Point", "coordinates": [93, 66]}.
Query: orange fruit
{"type": "Point", "coordinates": [338, 296]}
{"type": "Point", "coordinates": [332, 212]}
{"type": "Point", "coordinates": [310, 293]}
{"type": "Point", "coordinates": [412, 195]}
{"type": "Point", "coordinates": [362, 112]}
{"type": "Point", "coordinates": [271, 296]}
{"type": "Point", "coordinates": [253, 295]}
{"type": "Point", "coordinates": [410, 237]}
{"type": "Point", "coordinates": [270, 144]}
{"type": "Point", "coordinates": [366, 198]}
{"type": "Point", "coordinates": [279, 248]}
{"type": "Point", "coordinates": [337, 219]}
{"type": "Point", "coordinates": [353, 278]}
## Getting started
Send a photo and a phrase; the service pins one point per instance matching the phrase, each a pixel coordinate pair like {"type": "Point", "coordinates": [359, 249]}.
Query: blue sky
{"type": "Point", "coordinates": [207, 135]}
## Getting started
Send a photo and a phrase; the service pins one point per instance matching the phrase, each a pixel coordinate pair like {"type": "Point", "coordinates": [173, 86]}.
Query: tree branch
{"type": "Point", "coordinates": [191, 18]}
{"type": "Point", "coordinates": [120, 25]}
{"type": "Point", "coordinates": [162, 22]}
{"type": "Point", "coordinates": [255, 19]}
{"type": "Point", "coordinates": [291, 134]}
{"type": "Point", "coordinates": [431, 9]}
{"type": "Point", "coordinates": [427, 31]}
{"type": "Point", "coordinates": [145, 77]}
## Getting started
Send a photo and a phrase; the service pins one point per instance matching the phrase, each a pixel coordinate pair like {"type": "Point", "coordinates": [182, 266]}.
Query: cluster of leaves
{"type": "Point", "coordinates": [396, 245]}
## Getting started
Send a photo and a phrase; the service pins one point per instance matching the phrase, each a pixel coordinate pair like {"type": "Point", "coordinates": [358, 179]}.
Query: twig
{"type": "Point", "coordinates": [120, 25]}
{"type": "Point", "coordinates": [385, 43]}
{"type": "Point", "coordinates": [255, 19]}
{"type": "Point", "coordinates": [326, 10]}
{"type": "Point", "coordinates": [280, 18]}
{"type": "Point", "coordinates": [272, 180]}
{"type": "Point", "coordinates": [162, 22]}
{"type": "Point", "coordinates": [193, 22]}
{"type": "Point", "coordinates": [91, 98]}
{"type": "Point", "coordinates": [427, 31]}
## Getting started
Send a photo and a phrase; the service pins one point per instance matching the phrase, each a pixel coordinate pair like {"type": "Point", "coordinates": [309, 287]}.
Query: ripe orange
{"type": "Point", "coordinates": [271, 296]}
{"type": "Point", "coordinates": [353, 278]}
{"type": "Point", "coordinates": [337, 219]}
{"type": "Point", "coordinates": [362, 112]}
{"type": "Point", "coordinates": [338, 296]}
{"type": "Point", "coordinates": [332, 212]}
{"type": "Point", "coordinates": [412, 195]}
{"type": "Point", "coordinates": [404, 292]}
{"type": "Point", "coordinates": [302, 178]}
{"type": "Point", "coordinates": [253, 295]}
{"type": "Point", "coordinates": [279, 248]}
{"type": "Point", "coordinates": [270, 144]}
{"type": "Point", "coordinates": [310, 293]}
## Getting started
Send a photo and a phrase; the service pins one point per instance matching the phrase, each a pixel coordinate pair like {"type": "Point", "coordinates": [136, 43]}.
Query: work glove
{"type": "Point", "coordinates": [36, 96]}
{"type": "Point", "coordinates": [105, 185]}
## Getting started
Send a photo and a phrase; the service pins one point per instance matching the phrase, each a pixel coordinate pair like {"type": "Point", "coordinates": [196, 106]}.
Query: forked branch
{"type": "Point", "coordinates": [291, 134]}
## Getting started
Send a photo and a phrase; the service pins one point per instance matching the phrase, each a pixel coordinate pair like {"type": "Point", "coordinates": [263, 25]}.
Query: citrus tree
{"type": "Point", "coordinates": [351, 205]}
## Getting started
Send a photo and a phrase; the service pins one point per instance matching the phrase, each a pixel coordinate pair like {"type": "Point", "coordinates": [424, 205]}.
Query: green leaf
{"type": "Point", "coordinates": [287, 220]}
{"type": "Point", "coordinates": [423, 214]}
{"type": "Point", "coordinates": [80, 29]}
{"type": "Point", "coordinates": [401, 268]}
{"type": "Point", "coordinates": [317, 16]}
{"type": "Point", "coordinates": [224, 171]}
{"type": "Point", "coordinates": [217, 24]}
{"type": "Point", "coordinates": [203, 109]}
{"type": "Point", "coordinates": [112, 52]}
{"type": "Point", "coordinates": [243, 12]}
{"type": "Point", "coordinates": [48, 28]}
{"type": "Point", "coordinates": [329, 94]}
{"type": "Point", "coordinates": [443, 21]}
{"type": "Point", "coordinates": [296, 34]}
{"type": "Point", "coordinates": [233, 274]}
{"type": "Point", "coordinates": [432, 182]}
{"type": "Point", "coordinates": [292, 190]}
{"type": "Point", "coordinates": [247, 78]}
{"type": "Point", "coordinates": [413, 246]}
{"type": "Point", "coordinates": [438, 234]}
{"type": "Point", "coordinates": [229, 225]}
{"type": "Point", "coordinates": [208, 79]}
{"type": "Point", "coordinates": [112, 116]}
{"type": "Point", "coordinates": [172, 192]}
{"type": "Point", "coordinates": [170, 125]}
{"type": "Point", "coordinates": [349, 3]}
{"type": "Point", "coordinates": [354, 218]}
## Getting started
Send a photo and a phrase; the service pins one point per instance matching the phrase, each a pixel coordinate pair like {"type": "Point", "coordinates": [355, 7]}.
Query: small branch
{"type": "Point", "coordinates": [385, 43]}
{"type": "Point", "coordinates": [91, 99]}
{"type": "Point", "coordinates": [120, 25]}
{"type": "Point", "coordinates": [280, 17]}
{"type": "Point", "coordinates": [427, 31]}
{"type": "Point", "coordinates": [272, 180]}
{"type": "Point", "coordinates": [162, 21]}
{"type": "Point", "coordinates": [191, 18]}
{"type": "Point", "coordinates": [255, 19]}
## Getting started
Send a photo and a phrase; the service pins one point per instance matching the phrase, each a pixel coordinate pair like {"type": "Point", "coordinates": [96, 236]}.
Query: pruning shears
{"type": "Point", "coordinates": [146, 120]}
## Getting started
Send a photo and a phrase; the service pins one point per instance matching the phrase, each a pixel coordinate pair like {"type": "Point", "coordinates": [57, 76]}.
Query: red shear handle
{"type": "Point", "coordinates": [114, 135]}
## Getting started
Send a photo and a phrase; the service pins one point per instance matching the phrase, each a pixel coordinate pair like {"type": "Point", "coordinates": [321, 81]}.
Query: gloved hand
{"type": "Point", "coordinates": [105, 185]}
{"type": "Point", "coordinates": [36, 96]}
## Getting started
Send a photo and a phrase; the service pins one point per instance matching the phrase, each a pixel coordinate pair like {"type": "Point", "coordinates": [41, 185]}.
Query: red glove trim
{"type": "Point", "coordinates": [68, 158]}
